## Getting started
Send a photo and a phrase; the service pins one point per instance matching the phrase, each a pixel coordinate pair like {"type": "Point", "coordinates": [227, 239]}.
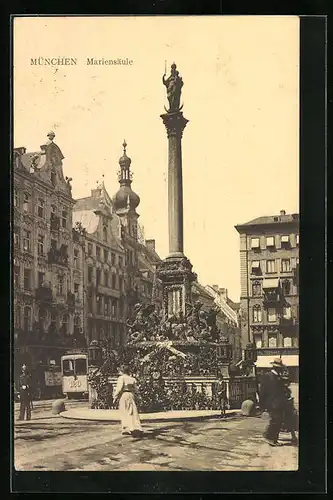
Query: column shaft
{"type": "Point", "coordinates": [175, 195]}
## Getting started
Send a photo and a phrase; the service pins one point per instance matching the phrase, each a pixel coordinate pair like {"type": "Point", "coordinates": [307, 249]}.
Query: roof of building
{"type": "Point", "coordinates": [271, 219]}
{"type": "Point", "coordinates": [222, 304]}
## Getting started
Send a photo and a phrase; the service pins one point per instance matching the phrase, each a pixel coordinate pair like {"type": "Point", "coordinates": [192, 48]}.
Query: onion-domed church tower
{"type": "Point", "coordinates": [125, 201]}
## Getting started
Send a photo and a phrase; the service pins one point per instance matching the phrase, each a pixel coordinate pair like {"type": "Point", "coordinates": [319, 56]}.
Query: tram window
{"type": "Point", "coordinates": [68, 367]}
{"type": "Point", "coordinates": [80, 367]}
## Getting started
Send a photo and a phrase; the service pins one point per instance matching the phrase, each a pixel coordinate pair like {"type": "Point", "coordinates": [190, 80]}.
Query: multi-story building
{"type": "Point", "coordinates": [104, 267]}
{"type": "Point", "coordinates": [47, 260]}
{"type": "Point", "coordinates": [119, 267]}
{"type": "Point", "coordinates": [269, 260]}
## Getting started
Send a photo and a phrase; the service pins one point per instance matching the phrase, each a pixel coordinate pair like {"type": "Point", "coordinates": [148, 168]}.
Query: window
{"type": "Point", "coordinates": [271, 314]}
{"type": "Point", "coordinates": [16, 198]}
{"type": "Point", "coordinates": [106, 255]}
{"type": "Point", "coordinates": [40, 244]}
{"type": "Point", "coordinates": [77, 321]}
{"type": "Point", "coordinates": [270, 266]}
{"type": "Point", "coordinates": [284, 240]}
{"type": "Point", "coordinates": [106, 306]}
{"type": "Point", "coordinates": [16, 236]}
{"type": "Point", "coordinates": [68, 367]}
{"type": "Point", "coordinates": [106, 278]}
{"type": "Point", "coordinates": [90, 249]}
{"type": "Point", "coordinates": [40, 208]}
{"type": "Point", "coordinates": [17, 276]}
{"type": "Point", "coordinates": [26, 202]}
{"type": "Point", "coordinates": [53, 177]}
{"type": "Point", "coordinates": [121, 262]}
{"type": "Point", "coordinates": [270, 241]}
{"type": "Point", "coordinates": [256, 288]}
{"type": "Point", "coordinates": [27, 318]}
{"type": "Point", "coordinates": [64, 216]}
{"type": "Point", "coordinates": [98, 253]}
{"type": "Point", "coordinates": [90, 274]}
{"type": "Point", "coordinates": [255, 267]}
{"type": "Point", "coordinates": [114, 307]}
{"type": "Point", "coordinates": [285, 265]}
{"type": "Point", "coordinates": [76, 258]}
{"type": "Point", "coordinates": [287, 312]}
{"type": "Point", "coordinates": [105, 234]}
{"type": "Point", "coordinates": [26, 240]}
{"type": "Point", "coordinates": [53, 210]}
{"type": "Point", "coordinates": [41, 277]}
{"type": "Point", "coordinates": [114, 281]}
{"type": "Point", "coordinates": [121, 284]}
{"type": "Point", "coordinates": [77, 291]}
{"type": "Point", "coordinates": [98, 277]}
{"type": "Point", "coordinates": [65, 324]}
{"type": "Point", "coordinates": [257, 338]}
{"type": "Point", "coordinates": [297, 239]}
{"type": "Point", "coordinates": [27, 279]}
{"type": "Point", "coordinates": [272, 341]}
{"type": "Point", "coordinates": [255, 243]}
{"type": "Point", "coordinates": [287, 342]}
{"type": "Point", "coordinates": [80, 367]}
{"type": "Point", "coordinates": [99, 304]}
{"type": "Point", "coordinates": [60, 285]}
{"type": "Point", "coordinates": [257, 316]}
{"type": "Point", "coordinates": [286, 286]}
{"type": "Point", "coordinates": [113, 258]}
{"type": "Point", "coordinates": [54, 244]}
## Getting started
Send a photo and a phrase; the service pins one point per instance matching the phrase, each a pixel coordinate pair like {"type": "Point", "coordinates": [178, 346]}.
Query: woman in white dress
{"type": "Point", "coordinates": [125, 392]}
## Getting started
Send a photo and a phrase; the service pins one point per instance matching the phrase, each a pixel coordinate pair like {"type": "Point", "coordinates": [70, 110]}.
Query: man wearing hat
{"type": "Point", "coordinates": [273, 399]}
{"type": "Point", "coordinates": [25, 394]}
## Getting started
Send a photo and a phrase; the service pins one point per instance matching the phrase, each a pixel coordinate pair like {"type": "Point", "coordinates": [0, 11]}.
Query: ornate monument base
{"type": "Point", "coordinates": [176, 277]}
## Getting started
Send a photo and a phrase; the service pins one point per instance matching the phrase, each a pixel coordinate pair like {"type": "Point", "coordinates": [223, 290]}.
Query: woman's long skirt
{"type": "Point", "coordinates": [130, 420]}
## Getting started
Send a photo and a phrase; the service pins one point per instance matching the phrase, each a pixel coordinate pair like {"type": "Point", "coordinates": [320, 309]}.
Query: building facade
{"type": "Point", "coordinates": [47, 261]}
{"type": "Point", "coordinates": [269, 302]}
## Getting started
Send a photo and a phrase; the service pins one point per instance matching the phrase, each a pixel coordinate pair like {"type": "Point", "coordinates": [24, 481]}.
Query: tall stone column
{"type": "Point", "coordinates": [175, 272]}
{"type": "Point", "coordinates": [175, 124]}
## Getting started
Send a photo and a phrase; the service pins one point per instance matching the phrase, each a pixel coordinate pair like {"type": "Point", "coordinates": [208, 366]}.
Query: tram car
{"type": "Point", "coordinates": [74, 371]}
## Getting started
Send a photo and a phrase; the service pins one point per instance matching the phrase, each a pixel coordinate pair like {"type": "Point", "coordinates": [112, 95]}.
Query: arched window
{"type": "Point", "coordinates": [272, 340]}
{"type": "Point", "coordinates": [257, 314]}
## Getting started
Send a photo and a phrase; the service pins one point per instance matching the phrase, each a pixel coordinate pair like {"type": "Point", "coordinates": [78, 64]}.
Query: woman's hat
{"type": "Point", "coordinates": [277, 362]}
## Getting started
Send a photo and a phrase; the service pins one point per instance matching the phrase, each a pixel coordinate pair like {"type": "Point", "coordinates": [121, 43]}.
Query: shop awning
{"type": "Point", "coordinates": [287, 359]}
{"type": "Point", "coordinates": [270, 283]}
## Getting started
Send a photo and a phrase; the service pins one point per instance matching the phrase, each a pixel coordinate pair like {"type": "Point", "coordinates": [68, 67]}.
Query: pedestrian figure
{"type": "Point", "coordinates": [25, 394]}
{"type": "Point", "coordinates": [289, 420]}
{"type": "Point", "coordinates": [273, 399]}
{"type": "Point", "coordinates": [125, 392]}
{"type": "Point", "coordinates": [221, 391]}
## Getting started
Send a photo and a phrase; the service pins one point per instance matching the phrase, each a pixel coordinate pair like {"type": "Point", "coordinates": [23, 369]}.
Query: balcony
{"type": "Point", "coordinates": [59, 257]}
{"type": "Point", "coordinates": [44, 294]}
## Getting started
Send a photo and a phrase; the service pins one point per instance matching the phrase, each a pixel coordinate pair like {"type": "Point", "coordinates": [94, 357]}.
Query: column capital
{"type": "Point", "coordinates": [174, 123]}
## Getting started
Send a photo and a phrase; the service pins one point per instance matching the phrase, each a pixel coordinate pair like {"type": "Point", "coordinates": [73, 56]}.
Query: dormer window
{"type": "Point", "coordinates": [285, 241]}
{"type": "Point", "coordinates": [270, 242]}
{"type": "Point", "coordinates": [255, 243]}
{"type": "Point", "coordinates": [255, 267]}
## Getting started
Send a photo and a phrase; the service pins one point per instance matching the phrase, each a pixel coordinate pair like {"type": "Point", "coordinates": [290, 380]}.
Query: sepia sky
{"type": "Point", "coordinates": [240, 95]}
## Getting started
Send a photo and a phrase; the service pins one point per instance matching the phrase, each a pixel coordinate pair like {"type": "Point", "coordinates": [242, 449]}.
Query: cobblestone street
{"type": "Point", "coordinates": [54, 443]}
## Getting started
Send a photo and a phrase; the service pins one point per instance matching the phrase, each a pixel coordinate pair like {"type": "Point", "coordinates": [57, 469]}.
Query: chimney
{"type": "Point", "coordinates": [150, 244]}
{"type": "Point", "coordinates": [223, 293]}
{"type": "Point", "coordinates": [282, 212]}
{"type": "Point", "coordinates": [216, 288]}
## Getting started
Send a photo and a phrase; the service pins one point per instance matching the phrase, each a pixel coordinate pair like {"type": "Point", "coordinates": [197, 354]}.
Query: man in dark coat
{"type": "Point", "coordinates": [273, 399]}
{"type": "Point", "coordinates": [25, 394]}
{"type": "Point", "coordinates": [221, 391]}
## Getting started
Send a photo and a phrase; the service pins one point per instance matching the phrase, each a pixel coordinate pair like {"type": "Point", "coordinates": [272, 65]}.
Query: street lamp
{"type": "Point", "coordinates": [94, 354]}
